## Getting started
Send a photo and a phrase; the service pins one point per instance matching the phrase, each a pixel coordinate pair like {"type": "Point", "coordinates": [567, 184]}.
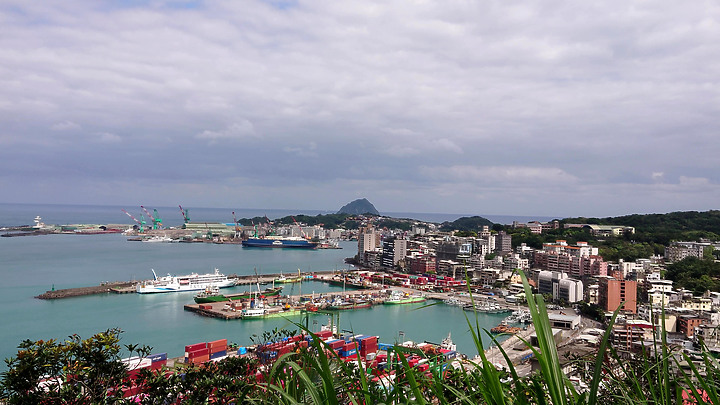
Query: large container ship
{"type": "Point", "coordinates": [190, 282]}
{"type": "Point", "coordinates": [295, 242]}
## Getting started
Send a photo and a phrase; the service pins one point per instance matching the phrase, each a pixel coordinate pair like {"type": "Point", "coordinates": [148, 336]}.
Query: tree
{"type": "Point", "coordinates": [73, 371]}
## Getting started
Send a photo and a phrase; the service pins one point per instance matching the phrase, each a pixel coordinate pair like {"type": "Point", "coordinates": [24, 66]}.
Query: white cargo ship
{"type": "Point", "coordinates": [191, 282]}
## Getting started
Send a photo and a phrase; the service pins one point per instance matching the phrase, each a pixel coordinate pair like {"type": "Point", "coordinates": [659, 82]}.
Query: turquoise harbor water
{"type": "Point", "coordinates": [31, 265]}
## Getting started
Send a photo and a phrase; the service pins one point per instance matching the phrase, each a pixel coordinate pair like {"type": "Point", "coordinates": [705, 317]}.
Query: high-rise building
{"type": "Point", "coordinates": [503, 242]}
{"type": "Point", "coordinates": [614, 292]}
{"type": "Point", "coordinates": [559, 286]}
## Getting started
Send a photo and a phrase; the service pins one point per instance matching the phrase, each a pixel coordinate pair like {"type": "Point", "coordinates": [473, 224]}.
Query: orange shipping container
{"type": "Point", "coordinates": [220, 342]}
{"type": "Point", "coordinates": [218, 349]}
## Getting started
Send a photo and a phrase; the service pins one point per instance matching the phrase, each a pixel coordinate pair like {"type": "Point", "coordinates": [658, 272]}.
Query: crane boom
{"type": "Point", "coordinates": [298, 225]}
{"type": "Point", "coordinates": [141, 224]}
{"type": "Point", "coordinates": [186, 216]}
{"type": "Point", "coordinates": [150, 217]}
{"type": "Point", "coordinates": [235, 221]}
{"type": "Point", "coordinates": [130, 215]}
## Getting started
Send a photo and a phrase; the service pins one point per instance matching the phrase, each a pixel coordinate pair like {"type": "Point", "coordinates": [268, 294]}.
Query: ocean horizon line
{"type": "Point", "coordinates": [273, 213]}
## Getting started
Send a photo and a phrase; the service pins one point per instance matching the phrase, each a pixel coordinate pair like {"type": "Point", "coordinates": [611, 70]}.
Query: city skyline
{"type": "Point", "coordinates": [454, 107]}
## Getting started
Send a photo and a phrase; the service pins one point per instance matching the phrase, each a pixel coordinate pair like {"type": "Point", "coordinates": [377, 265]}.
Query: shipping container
{"type": "Point", "coordinates": [217, 355]}
{"type": "Point", "coordinates": [218, 349]}
{"type": "Point", "coordinates": [196, 353]}
{"type": "Point", "coordinates": [133, 363]}
{"type": "Point", "coordinates": [158, 365]}
{"type": "Point", "coordinates": [216, 343]}
{"type": "Point", "coordinates": [196, 346]}
{"type": "Point", "coordinates": [157, 357]}
{"type": "Point", "coordinates": [385, 346]}
{"type": "Point", "coordinates": [200, 359]}
{"type": "Point", "coordinates": [324, 334]}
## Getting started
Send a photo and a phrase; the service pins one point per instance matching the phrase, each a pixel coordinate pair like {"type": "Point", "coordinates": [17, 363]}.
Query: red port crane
{"type": "Point", "coordinates": [237, 228]}
{"type": "Point", "coordinates": [186, 216]}
{"type": "Point", "coordinates": [140, 224]}
{"type": "Point", "coordinates": [157, 222]}
{"type": "Point", "coordinates": [298, 225]}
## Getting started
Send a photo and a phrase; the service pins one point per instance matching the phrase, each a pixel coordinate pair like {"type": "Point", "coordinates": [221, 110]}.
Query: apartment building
{"type": "Point", "coordinates": [614, 292]}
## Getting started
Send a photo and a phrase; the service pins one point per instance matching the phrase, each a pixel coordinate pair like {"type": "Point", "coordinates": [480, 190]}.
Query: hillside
{"type": "Point", "coordinates": [359, 207]}
{"type": "Point", "coordinates": [467, 224]}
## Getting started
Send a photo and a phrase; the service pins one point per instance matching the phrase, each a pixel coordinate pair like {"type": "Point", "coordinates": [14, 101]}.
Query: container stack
{"type": "Point", "coordinates": [349, 349]}
{"type": "Point", "coordinates": [197, 353]}
{"type": "Point", "coordinates": [217, 349]}
{"type": "Point", "coordinates": [368, 345]}
{"type": "Point", "coordinates": [135, 364]}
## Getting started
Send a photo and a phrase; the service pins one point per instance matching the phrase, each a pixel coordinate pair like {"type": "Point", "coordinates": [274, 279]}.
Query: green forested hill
{"type": "Point", "coordinates": [469, 224]}
{"type": "Point", "coordinates": [664, 228]}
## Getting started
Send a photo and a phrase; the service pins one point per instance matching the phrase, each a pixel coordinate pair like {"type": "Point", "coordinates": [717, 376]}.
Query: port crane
{"type": "Point", "coordinates": [141, 225]}
{"type": "Point", "coordinates": [185, 214]}
{"type": "Point", "coordinates": [237, 228]}
{"type": "Point", "coordinates": [157, 222]}
{"type": "Point", "coordinates": [298, 225]}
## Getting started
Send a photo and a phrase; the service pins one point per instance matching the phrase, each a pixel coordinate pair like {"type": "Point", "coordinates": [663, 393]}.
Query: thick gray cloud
{"type": "Point", "coordinates": [553, 108]}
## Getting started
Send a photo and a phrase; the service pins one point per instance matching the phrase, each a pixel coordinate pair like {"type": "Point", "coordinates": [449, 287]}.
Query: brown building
{"type": "Point", "coordinates": [614, 292]}
{"type": "Point", "coordinates": [688, 323]}
{"type": "Point", "coordinates": [421, 264]}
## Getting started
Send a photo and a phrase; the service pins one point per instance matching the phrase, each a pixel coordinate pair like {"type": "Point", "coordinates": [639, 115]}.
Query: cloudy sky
{"type": "Point", "coordinates": [546, 108]}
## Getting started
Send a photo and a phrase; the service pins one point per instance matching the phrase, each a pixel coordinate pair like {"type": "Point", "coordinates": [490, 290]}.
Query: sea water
{"type": "Point", "coordinates": [31, 265]}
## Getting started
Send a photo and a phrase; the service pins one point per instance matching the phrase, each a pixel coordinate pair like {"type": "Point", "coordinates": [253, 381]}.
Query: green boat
{"type": "Point", "coordinates": [209, 294]}
{"type": "Point", "coordinates": [397, 298]}
{"type": "Point", "coordinates": [286, 280]}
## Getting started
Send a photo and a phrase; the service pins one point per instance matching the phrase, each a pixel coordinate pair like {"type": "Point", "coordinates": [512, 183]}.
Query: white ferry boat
{"type": "Point", "coordinates": [191, 282]}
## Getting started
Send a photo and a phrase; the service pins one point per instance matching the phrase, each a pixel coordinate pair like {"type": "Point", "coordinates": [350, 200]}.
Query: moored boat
{"type": "Point", "coordinates": [190, 282]}
{"type": "Point", "coordinates": [340, 305]}
{"type": "Point", "coordinates": [268, 292]}
{"type": "Point", "coordinates": [398, 298]}
{"type": "Point", "coordinates": [210, 294]}
{"type": "Point", "coordinates": [287, 280]}
{"type": "Point", "coordinates": [294, 242]}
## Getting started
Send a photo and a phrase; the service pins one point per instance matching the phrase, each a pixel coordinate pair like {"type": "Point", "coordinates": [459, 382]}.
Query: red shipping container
{"type": "Point", "coordinates": [158, 365]}
{"type": "Point", "coordinates": [338, 344]}
{"type": "Point", "coordinates": [423, 367]}
{"type": "Point", "coordinates": [196, 346]}
{"type": "Point", "coordinates": [350, 346]}
{"type": "Point", "coordinates": [200, 352]}
{"type": "Point", "coordinates": [324, 334]}
{"type": "Point", "coordinates": [131, 392]}
{"type": "Point", "coordinates": [304, 343]}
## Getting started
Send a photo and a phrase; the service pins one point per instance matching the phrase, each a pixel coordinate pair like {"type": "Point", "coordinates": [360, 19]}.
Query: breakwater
{"type": "Point", "coordinates": [105, 288]}
{"type": "Point", "coordinates": [121, 287]}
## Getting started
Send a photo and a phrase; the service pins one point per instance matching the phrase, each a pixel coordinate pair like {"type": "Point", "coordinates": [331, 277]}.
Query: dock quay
{"type": "Point", "coordinates": [277, 305]}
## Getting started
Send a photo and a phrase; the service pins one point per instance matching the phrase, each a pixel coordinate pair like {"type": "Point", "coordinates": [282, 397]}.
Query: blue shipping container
{"type": "Point", "coordinates": [384, 346]}
{"type": "Point", "coordinates": [218, 354]}
{"type": "Point", "coordinates": [347, 353]}
{"type": "Point", "coordinates": [157, 357]}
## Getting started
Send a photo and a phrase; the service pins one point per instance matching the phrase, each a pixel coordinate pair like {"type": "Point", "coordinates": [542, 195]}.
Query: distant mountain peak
{"type": "Point", "coordinates": [359, 207]}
